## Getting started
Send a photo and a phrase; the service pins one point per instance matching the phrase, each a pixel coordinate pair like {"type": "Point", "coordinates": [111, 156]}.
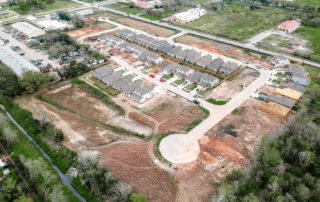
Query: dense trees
{"type": "Point", "coordinates": [287, 166]}
{"type": "Point", "coordinates": [34, 81]}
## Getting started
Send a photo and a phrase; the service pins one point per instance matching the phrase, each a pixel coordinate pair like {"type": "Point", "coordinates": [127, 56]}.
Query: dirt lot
{"type": "Point", "coordinates": [163, 32]}
{"type": "Point", "coordinates": [229, 89]}
{"type": "Point", "coordinates": [132, 164]}
{"type": "Point", "coordinates": [90, 30]}
{"type": "Point", "coordinates": [166, 112]}
{"type": "Point", "coordinates": [235, 52]}
{"type": "Point", "coordinates": [220, 155]}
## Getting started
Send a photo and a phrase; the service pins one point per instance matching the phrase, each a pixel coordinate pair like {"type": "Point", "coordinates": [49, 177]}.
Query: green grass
{"type": "Point", "coordinates": [131, 75]}
{"type": "Point", "coordinates": [179, 82]}
{"type": "Point", "coordinates": [277, 81]}
{"type": "Point", "coordinates": [101, 84]}
{"type": "Point", "coordinates": [312, 70]}
{"type": "Point", "coordinates": [215, 102]}
{"type": "Point", "coordinates": [230, 56]}
{"type": "Point", "coordinates": [191, 86]}
{"type": "Point", "coordinates": [112, 90]}
{"type": "Point", "coordinates": [313, 35]}
{"type": "Point", "coordinates": [133, 11]}
{"type": "Point", "coordinates": [23, 146]}
{"type": "Point", "coordinates": [91, 78]}
{"type": "Point", "coordinates": [211, 23]}
{"type": "Point", "coordinates": [149, 17]}
{"type": "Point", "coordinates": [262, 93]}
{"type": "Point", "coordinates": [308, 2]}
{"type": "Point", "coordinates": [204, 92]}
{"type": "Point", "coordinates": [167, 77]}
{"type": "Point", "coordinates": [51, 7]}
{"type": "Point", "coordinates": [148, 67]}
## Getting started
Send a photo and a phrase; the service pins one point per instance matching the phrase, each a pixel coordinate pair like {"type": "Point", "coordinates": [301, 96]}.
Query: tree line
{"type": "Point", "coordinates": [287, 166]}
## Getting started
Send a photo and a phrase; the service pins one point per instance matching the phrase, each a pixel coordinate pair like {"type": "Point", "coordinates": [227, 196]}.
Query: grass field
{"type": "Point", "coordinates": [191, 86]}
{"type": "Point", "coordinates": [237, 25]}
{"type": "Point", "coordinates": [51, 7]}
{"type": "Point", "coordinates": [23, 146]}
{"type": "Point", "coordinates": [149, 17]}
{"type": "Point", "coordinates": [313, 35]}
{"type": "Point", "coordinates": [179, 82]}
{"type": "Point", "coordinates": [308, 2]}
{"type": "Point", "coordinates": [312, 70]}
{"type": "Point", "coordinates": [167, 77]}
{"type": "Point", "coordinates": [133, 11]}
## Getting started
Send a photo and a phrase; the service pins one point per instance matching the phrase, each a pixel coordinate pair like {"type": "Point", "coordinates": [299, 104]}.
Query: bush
{"type": "Point", "coordinates": [138, 197]}
{"type": "Point", "coordinates": [235, 174]}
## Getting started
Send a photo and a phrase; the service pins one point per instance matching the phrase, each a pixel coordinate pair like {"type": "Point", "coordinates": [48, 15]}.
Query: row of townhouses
{"type": "Point", "coordinates": [135, 90]}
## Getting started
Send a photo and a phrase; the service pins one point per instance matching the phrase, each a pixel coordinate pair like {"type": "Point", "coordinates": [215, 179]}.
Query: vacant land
{"type": "Point", "coordinates": [234, 85]}
{"type": "Point", "coordinates": [312, 34]}
{"type": "Point", "coordinates": [236, 22]}
{"type": "Point", "coordinates": [236, 53]}
{"type": "Point", "coordinates": [163, 32]}
{"type": "Point", "coordinates": [95, 27]}
{"type": "Point", "coordinates": [308, 2]}
{"type": "Point", "coordinates": [126, 9]}
{"type": "Point", "coordinates": [288, 44]}
{"type": "Point", "coordinates": [49, 7]}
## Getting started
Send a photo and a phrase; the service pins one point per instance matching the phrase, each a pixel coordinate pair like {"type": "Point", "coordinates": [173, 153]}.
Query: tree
{"type": "Point", "coordinates": [250, 198]}
{"type": "Point", "coordinates": [34, 81]}
{"type": "Point", "coordinates": [96, 55]}
{"type": "Point", "coordinates": [9, 84]}
{"type": "Point", "coordinates": [270, 156]}
{"type": "Point", "coordinates": [24, 7]}
{"type": "Point", "coordinates": [10, 136]}
{"type": "Point", "coordinates": [54, 76]}
{"type": "Point", "coordinates": [131, 4]}
{"type": "Point", "coordinates": [43, 121]}
{"type": "Point", "coordinates": [57, 194]}
{"type": "Point", "coordinates": [122, 190]}
{"type": "Point", "coordinates": [138, 197]}
{"type": "Point", "coordinates": [236, 174]}
{"type": "Point", "coordinates": [53, 51]}
{"type": "Point", "coordinates": [50, 1]}
{"type": "Point", "coordinates": [96, 16]}
{"type": "Point", "coordinates": [22, 199]}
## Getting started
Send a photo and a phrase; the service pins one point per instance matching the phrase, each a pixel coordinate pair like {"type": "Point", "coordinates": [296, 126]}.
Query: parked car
{"type": "Point", "coordinates": [196, 102]}
{"type": "Point", "coordinates": [161, 80]}
{"type": "Point", "coordinates": [152, 76]}
{"type": "Point", "coordinates": [245, 62]}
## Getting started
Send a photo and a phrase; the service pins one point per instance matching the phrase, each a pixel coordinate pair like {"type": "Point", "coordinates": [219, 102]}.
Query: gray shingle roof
{"type": "Point", "coordinates": [175, 50]}
{"type": "Point", "coordinates": [293, 86]}
{"type": "Point", "coordinates": [136, 97]}
{"type": "Point", "coordinates": [182, 54]}
{"type": "Point", "coordinates": [205, 60]}
{"type": "Point", "coordinates": [281, 57]}
{"type": "Point", "coordinates": [282, 100]}
{"type": "Point", "coordinates": [122, 82]}
{"type": "Point", "coordinates": [143, 90]}
{"type": "Point", "coordinates": [196, 76]}
{"type": "Point", "coordinates": [113, 77]}
{"type": "Point", "coordinates": [215, 65]}
{"type": "Point", "coordinates": [132, 87]}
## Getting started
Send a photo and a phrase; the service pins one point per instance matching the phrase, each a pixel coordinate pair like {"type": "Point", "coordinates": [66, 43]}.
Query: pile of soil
{"type": "Point", "coordinates": [221, 131]}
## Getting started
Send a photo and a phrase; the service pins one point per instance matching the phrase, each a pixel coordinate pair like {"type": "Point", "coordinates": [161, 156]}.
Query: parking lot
{"type": "Point", "coordinates": [29, 54]}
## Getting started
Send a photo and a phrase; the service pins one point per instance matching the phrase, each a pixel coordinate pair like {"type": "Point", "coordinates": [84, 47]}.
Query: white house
{"type": "Point", "coordinates": [197, 11]}
{"type": "Point", "coordinates": [207, 81]}
{"type": "Point", "coordinates": [183, 71]}
{"type": "Point", "coordinates": [184, 17]}
{"type": "Point", "coordinates": [280, 60]}
{"type": "Point", "coordinates": [142, 94]}
{"type": "Point", "coordinates": [154, 58]}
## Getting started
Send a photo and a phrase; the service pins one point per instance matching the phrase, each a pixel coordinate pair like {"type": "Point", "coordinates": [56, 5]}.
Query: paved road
{"type": "Point", "coordinates": [215, 38]}
{"type": "Point", "coordinates": [184, 148]}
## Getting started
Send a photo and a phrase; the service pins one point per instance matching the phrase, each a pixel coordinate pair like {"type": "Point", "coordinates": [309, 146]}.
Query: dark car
{"type": "Point", "coordinates": [196, 102]}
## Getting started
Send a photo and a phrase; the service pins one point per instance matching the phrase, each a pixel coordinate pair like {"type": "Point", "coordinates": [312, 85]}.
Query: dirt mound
{"type": "Point", "coordinates": [221, 131]}
{"type": "Point", "coordinates": [163, 32]}
{"type": "Point", "coordinates": [205, 156]}
{"type": "Point", "coordinates": [141, 119]}
{"type": "Point", "coordinates": [225, 148]}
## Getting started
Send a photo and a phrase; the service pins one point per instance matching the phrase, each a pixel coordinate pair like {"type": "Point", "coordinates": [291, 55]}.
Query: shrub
{"type": "Point", "coordinates": [235, 174]}
{"type": "Point", "coordinates": [138, 197]}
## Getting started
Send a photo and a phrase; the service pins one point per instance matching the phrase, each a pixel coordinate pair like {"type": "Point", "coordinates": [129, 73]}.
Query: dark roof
{"type": "Point", "coordinates": [282, 100]}
{"type": "Point", "coordinates": [215, 65]}
{"type": "Point", "coordinates": [175, 50]}
{"type": "Point", "coordinates": [143, 90]}
{"type": "Point", "coordinates": [293, 86]}
{"type": "Point", "coordinates": [132, 87]}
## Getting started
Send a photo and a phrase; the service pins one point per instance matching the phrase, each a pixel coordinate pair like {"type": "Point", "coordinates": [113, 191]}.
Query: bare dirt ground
{"type": "Point", "coordinates": [90, 30]}
{"type": "Point", "coordinates": [220, 155]}
{"type": "Point", "coordinates": [267, 89]}
{"type": "Point", "coordinates": [174, 114]}
{"type": "Point", "coordinates": [229, 89]}
{"type": "Point", "coordinates": [163, 32]}
{"type": "Point", "coordinates": [235, 52]}
{"type": "Point", "coordinates": [132, 164]}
